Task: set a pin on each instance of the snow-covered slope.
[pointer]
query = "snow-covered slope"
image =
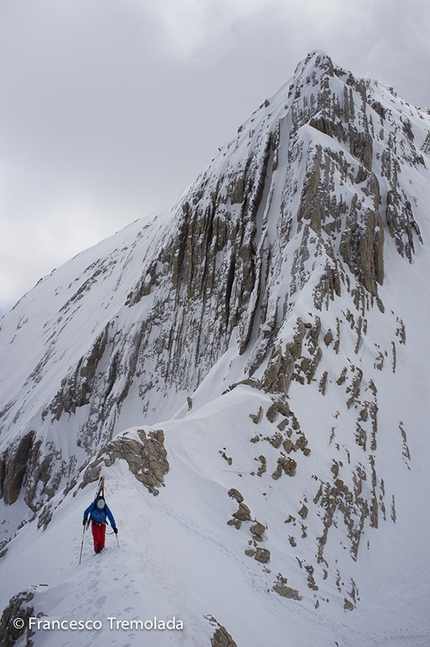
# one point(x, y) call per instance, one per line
point(249, 371)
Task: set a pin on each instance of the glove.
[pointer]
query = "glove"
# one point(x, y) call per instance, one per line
point(115, 530)
point(84, 522)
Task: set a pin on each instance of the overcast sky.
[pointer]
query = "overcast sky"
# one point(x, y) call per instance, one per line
point(109, 109)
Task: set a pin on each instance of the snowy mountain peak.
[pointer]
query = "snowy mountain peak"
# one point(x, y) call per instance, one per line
point(245, 358)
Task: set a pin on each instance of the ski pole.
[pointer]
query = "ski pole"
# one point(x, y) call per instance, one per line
point(82, 544)
point(117, 540)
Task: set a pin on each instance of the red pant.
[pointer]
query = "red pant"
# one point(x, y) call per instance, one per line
point(99, 532)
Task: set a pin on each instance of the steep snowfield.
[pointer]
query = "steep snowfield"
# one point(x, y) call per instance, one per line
point(250, 373)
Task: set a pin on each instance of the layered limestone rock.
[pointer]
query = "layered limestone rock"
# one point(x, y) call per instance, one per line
point(20, 606)
point(146, 458)
point(217, 259)
point(280, 587)
point(221, 637)
point(343, 499)
point(13, 467)
point(35, 468)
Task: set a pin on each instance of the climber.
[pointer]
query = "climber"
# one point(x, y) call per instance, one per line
point(98, 511)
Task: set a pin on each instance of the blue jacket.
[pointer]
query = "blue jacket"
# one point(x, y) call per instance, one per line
point(99, 516)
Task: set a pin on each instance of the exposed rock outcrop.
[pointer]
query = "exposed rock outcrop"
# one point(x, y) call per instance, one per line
point(14, 465)
point(280, 587)
point(20, 607)
point(221, 637)
point(146, 458)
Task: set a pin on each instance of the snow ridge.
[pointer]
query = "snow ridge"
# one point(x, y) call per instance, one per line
point(245, 359)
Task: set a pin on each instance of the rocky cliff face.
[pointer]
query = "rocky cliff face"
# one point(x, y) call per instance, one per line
point(276, 258)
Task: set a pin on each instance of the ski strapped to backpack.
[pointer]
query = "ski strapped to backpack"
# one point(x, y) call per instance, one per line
point(100, 492)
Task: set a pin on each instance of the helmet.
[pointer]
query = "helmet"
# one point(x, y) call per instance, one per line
point(100, 504)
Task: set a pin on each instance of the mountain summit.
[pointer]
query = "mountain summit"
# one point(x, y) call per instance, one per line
point(254, 357)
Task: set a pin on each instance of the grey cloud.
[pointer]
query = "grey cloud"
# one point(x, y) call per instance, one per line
point(107, 113)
